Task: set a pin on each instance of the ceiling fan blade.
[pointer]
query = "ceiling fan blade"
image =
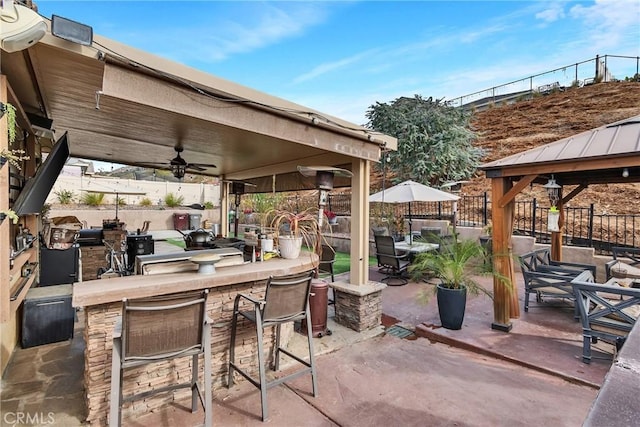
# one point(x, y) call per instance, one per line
point(237, 181)
point(153, 165)
point(195, 167)
point(203, 165)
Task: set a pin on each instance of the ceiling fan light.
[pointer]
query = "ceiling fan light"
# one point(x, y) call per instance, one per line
point(178, 170)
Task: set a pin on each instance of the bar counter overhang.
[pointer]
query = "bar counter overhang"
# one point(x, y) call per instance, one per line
point(101, 301)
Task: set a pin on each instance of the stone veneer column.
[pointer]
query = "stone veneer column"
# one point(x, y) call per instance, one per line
point(358, 307)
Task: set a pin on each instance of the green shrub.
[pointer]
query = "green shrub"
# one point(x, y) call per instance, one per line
point(65, 197)
point(120, 201)
point(92, 199)
point(208, 205)
point(173, 201)
point(145, 201)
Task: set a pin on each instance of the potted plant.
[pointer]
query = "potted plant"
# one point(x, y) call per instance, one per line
point(9, 213)
point(332, 218)
point(455, 264)
point(292, 229)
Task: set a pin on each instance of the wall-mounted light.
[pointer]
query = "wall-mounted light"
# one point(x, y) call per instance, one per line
point(21, 27)
point(71, 30)
point(553, 191)
point(625, 173)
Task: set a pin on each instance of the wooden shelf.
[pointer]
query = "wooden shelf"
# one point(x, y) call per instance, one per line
point(23, 288)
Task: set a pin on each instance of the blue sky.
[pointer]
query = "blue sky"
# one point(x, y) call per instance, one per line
point(340, 57)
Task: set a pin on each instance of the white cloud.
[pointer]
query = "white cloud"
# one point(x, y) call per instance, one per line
point(551, 14)
point(333, 66)
point(247, 27)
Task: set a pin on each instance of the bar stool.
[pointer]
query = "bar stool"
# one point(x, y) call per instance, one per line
point(162, 328)
point(286, 300)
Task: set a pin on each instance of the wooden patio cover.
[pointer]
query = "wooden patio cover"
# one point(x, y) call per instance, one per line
point(598, 156)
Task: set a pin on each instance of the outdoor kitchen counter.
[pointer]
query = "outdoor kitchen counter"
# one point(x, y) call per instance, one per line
point(104, 291)
point(101, 301)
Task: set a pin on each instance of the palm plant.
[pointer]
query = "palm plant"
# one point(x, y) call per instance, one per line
point(456, 264)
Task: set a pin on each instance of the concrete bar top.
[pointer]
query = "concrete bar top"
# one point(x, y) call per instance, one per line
point(103, 291)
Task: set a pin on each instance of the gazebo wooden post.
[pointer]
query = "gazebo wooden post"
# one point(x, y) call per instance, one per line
point(556, 236)
point(502, 264)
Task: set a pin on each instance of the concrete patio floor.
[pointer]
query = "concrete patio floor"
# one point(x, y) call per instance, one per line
point(476, 376)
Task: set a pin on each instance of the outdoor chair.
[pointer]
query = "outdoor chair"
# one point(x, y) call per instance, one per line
point(430, 234)
point(625, 263)
point(540, 260)
point(286, 300)
point(607, 312)
point(393, 263)
point(327, 259)
point(549, 279)
point(158, 329)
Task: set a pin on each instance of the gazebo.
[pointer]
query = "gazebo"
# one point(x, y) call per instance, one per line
point(609, 154)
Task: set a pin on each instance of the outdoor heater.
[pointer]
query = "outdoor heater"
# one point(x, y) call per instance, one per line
point(238, 189)
point(324, 183)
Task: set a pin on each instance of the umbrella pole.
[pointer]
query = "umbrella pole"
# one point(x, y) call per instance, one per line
point(117, 200)
point(410, 226)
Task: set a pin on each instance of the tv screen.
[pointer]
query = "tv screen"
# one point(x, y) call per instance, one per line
point(36, 190)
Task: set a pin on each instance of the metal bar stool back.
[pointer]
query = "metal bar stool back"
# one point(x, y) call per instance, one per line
point(286, 300)
point(162, 328)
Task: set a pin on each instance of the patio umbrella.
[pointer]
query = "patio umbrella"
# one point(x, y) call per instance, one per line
point(411, 191)
point(94, 187)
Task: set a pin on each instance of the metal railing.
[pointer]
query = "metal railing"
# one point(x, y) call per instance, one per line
point(582, 225)
point(598, 69)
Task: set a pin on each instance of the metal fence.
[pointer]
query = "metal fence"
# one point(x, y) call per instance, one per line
point(582, 226)
point(599, 69)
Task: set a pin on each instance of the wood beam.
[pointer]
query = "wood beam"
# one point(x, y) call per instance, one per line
point(556, 236)
point(574, 193)
point(516, 189)
point(502, 224)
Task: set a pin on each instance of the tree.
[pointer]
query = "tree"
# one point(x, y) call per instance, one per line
point(435, 142)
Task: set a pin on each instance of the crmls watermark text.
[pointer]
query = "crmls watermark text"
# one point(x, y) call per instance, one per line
point(30, 418)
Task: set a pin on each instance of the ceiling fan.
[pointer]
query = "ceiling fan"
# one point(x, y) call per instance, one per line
point(178, 165)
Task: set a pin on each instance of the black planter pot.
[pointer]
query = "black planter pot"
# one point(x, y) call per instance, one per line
point(451, 305)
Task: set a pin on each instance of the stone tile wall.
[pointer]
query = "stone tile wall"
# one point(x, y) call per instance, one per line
point(99, 324)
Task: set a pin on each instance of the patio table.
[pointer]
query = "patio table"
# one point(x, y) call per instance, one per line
point(416, 247)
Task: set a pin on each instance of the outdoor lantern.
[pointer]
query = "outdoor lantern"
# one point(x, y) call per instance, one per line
point(553, 190)
point(178, 167)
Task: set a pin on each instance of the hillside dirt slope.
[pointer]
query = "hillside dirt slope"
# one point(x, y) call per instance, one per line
point(510, 129)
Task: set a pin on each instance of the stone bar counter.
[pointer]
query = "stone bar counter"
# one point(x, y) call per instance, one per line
point(101, 301)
